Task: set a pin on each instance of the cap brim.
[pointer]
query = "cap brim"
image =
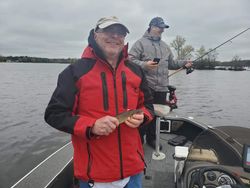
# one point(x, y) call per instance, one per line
point(163, 26)
point(109, 23)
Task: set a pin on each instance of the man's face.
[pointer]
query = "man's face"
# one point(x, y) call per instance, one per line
point(156, 31)
point(111, 40)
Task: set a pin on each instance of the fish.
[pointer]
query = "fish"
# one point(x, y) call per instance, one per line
point(122, 117)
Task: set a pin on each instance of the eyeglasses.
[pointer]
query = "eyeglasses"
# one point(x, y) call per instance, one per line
point(112, 30)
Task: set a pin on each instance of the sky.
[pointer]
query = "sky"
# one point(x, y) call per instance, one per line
point(60, 28)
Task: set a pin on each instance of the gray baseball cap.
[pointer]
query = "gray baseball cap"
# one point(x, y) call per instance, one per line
point(108, 21)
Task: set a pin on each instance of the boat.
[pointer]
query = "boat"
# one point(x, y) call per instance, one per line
point(194, 155)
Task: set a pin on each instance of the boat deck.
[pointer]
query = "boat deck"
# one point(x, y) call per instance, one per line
point(159, 173)
point(57, 170)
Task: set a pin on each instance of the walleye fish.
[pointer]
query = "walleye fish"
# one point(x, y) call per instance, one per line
point(122, 117)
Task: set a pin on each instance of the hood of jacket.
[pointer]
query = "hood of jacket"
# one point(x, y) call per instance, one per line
point(150, 37)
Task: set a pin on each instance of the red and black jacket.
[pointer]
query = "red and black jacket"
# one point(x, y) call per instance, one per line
point(88, 90)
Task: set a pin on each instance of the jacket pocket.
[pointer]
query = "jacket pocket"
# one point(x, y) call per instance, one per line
point(142, 158)
point(124, 90)
point(90, 160)
point(104, 91)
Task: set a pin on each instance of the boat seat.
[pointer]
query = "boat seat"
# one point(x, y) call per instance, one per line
point(161, 110)
point(203, 155)
point(180, 154)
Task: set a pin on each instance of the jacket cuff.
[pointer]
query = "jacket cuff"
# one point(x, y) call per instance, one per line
point(89, 133)
point(82, 125)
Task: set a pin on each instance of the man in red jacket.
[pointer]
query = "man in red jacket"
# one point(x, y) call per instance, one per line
point(89, 96)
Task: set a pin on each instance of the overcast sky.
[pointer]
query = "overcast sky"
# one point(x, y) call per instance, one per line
point(59, 28)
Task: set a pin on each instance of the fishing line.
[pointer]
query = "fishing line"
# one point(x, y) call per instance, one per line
point(191, 69)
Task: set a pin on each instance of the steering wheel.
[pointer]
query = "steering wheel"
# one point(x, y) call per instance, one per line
point(220, 169)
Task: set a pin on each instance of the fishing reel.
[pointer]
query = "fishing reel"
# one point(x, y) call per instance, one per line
point(172, 99)
point(189, 70)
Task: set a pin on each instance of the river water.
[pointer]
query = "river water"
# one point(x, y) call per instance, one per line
point(213, 97)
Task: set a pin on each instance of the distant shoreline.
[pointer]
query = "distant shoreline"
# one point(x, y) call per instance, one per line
point(221, 67)
point(11, 62)
point(26, 59)
point(235, 65)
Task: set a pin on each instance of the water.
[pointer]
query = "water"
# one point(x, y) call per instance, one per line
point(214, 97)
point(25, 139)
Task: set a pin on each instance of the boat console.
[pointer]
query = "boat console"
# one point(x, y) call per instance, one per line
point(216, 158)
point(246, 157)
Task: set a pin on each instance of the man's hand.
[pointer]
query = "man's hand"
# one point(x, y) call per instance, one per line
point(188, 64)
point(105, 125)
point(135, 120)
point(151, 64)
point(189, 67)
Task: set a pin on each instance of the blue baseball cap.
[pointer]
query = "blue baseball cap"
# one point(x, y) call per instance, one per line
point(158, 22)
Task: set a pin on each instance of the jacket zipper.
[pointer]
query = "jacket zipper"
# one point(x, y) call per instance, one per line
point(105, 91)
point(124, 90)
point(103, 75)
point(119, 128)
point(156, 55)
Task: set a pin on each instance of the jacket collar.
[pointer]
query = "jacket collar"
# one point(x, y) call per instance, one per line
point(150, 37)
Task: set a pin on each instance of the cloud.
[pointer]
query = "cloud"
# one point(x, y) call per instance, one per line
point(59, 28)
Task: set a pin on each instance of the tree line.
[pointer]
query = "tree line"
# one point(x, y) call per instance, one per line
point(27, 59)
point(209, 61)
point(182, 51)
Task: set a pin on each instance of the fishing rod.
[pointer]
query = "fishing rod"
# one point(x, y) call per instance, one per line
point(191, 69)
